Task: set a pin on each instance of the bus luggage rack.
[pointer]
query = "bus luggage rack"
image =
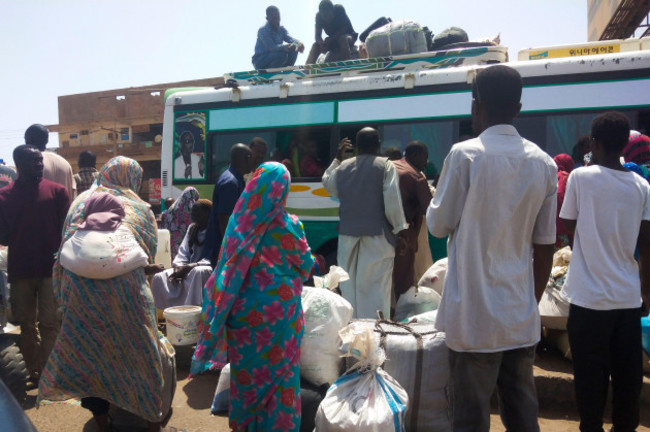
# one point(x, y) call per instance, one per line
point(459, 56)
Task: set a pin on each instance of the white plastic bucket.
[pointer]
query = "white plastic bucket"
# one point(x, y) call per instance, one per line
point(183, 324)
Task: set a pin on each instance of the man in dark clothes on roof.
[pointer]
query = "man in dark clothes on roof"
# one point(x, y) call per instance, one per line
point(341, 36)
point(32, 212)
point(416, 197)
point(271, 51)
point(226, 192)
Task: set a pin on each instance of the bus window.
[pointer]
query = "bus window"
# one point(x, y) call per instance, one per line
point(221, 143)
point(563, 131)
point(533, 128)
point(306, 153)
point(438, 137)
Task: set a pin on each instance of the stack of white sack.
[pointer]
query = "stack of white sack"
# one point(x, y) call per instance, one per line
point(396, 38)
point(366, 398)
point(418, 358)
point(553, 307)
point(434, 277)
point(326, 313)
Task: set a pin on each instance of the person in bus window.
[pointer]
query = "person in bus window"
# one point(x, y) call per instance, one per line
point(334, 21)
point(416, 196)
point(259, 148)
point(496, 201)
point(226, 192)
point(371, 216)
point(392, 153)
point(271, 51)
point(310, 163)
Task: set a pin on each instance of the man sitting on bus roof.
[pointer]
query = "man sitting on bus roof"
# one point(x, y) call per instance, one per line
point(270, 49)
point(371, 214)
point(340, 38)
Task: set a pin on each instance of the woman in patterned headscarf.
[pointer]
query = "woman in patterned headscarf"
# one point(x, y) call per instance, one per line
point(637, 149)
point(252, 308)
point(109, 349)
point(178, 217)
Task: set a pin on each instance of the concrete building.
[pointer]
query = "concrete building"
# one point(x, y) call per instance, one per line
point(617, 19)
point(125, 122)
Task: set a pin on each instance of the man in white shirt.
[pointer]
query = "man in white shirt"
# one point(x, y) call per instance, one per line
point(55, 167)
point(608, 209)
point(496, 200)
point(371, 216)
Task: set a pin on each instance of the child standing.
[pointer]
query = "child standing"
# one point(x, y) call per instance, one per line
point(608, 209)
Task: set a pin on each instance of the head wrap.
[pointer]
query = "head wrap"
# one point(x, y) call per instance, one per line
point(638, 149)
point(104, 212)
point(259, 225)
point(177, 218)
point(120, 177)
point(639, 169)
point(564, 162)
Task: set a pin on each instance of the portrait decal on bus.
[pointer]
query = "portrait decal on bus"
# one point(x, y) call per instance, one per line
point(189, 146)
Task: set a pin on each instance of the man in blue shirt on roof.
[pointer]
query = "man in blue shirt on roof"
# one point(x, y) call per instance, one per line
point(271, 51)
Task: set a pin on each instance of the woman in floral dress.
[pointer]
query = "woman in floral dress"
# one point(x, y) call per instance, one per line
point(252, 308)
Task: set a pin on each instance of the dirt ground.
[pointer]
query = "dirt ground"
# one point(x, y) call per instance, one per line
point(192, 413)
point(191, 406)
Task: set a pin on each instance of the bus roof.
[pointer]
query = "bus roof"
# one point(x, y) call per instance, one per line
point(344, 83)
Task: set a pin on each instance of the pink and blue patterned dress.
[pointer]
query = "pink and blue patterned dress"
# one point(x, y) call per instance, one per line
point(252, 309)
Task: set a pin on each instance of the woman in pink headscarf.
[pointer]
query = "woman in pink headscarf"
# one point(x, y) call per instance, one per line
point(564, 164)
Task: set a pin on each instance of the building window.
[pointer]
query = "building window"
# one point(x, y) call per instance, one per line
point(74, 136)
point(124, 134)
point(84, 132)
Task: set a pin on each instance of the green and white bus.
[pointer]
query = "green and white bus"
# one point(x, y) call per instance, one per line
point(303, 113)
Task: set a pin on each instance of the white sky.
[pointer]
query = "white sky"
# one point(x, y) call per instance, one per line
point(63, 47)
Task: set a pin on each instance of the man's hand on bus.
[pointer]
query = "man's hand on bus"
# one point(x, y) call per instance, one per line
point(345, 146)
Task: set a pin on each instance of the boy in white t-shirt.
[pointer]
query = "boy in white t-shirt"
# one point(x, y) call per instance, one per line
point(608, 209)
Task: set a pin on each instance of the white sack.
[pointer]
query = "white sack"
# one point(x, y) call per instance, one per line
point(363, 402)
point(401, 348)
point(426, 317)
point(222, 393)
point(416, 301)
point(434, 277)
point(553, 309)
point(325, 314)
point(102, 254)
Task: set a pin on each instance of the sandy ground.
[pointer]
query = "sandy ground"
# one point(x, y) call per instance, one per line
point(191, 407)
point(192, 413)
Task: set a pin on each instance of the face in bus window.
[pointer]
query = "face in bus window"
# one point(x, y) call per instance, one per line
point(259, 154)
point(187, 144)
